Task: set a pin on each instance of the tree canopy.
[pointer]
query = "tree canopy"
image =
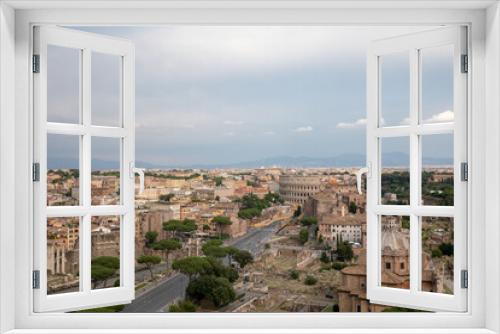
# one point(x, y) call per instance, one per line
point(149, 261)
point(243, 258)
point(183, 306)
point(309, 221)
point(218, 290)
point(150, 237)
point(102, 268)
point(304, 236)
point(344, 251)
point(186, 225)
point(192, 266)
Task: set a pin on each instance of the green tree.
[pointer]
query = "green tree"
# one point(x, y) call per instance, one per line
point(100, 274)
point(309, 221)
point(218, 290)
point(344, 251)
point(187, 225)
point(166, 197)
point(310, 280)
point(167, 245)
point(217, 198)
point(183, 306)
point(215, 251)
point(437, 253)
point(243, 258)
point(294, 274)
point(297, 212)
point(446, 248)
point(339, 265)
point(320, 239)
point(221, 221)
point(219, 270)
point(353, 208)
point(192, 266)
point(102, 268)
point(304, 236)
point(230, 251)
point(150, 237)
point(324, 258)
point(206, 227)
point(150, 261)
point(267, 245)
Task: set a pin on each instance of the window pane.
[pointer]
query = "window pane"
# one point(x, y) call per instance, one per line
point(63, 170)
point(63, 85)
point(105, 171)
point(395, 171)
point(106, 88)
point(437, 84)
point(437, 170)
point(395, 252)
point(105, 251)
point(437, 254)
point(395, 89)
point(63, 255)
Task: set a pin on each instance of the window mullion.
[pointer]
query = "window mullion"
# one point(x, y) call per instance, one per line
point(414, 167)
point(85, 184)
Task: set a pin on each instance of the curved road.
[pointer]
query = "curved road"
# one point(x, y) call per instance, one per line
point(153, 300)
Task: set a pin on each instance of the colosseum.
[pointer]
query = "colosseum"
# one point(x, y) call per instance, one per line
point(297, 189)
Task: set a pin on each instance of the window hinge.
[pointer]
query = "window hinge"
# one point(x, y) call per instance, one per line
point(36, 279)
point(36, 63)
point(36, 172)
point(465, 64)
point(464, 173)
point(465, 279)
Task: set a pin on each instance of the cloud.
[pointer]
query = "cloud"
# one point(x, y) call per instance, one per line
point(304, 129)
point(230, 134)
point(359, 123)
point(269, 133)
point(233, 122)
point(443, 117)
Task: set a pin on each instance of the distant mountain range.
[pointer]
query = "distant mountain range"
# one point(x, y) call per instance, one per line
point(393, 159)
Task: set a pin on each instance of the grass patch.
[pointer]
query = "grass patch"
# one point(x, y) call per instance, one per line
point(140, 286)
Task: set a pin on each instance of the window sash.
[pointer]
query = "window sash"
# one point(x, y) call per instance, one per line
point(414, 298)
point(86, 297)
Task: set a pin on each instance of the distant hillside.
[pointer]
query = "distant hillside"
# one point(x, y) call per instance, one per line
point(393, 159)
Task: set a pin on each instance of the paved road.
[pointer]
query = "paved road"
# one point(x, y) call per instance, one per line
point(153, 300)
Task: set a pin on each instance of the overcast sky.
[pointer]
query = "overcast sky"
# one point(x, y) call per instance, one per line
point(232, 94)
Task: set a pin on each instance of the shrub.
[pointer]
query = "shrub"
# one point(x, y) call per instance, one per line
point(310, 280)
point(294, 274)
point(339, 265)
point(437, 253)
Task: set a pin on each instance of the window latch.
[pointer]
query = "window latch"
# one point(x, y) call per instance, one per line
point(139, 171)
point(368, 171)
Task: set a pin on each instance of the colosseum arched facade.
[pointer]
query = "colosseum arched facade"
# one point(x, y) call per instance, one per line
point(297, 189)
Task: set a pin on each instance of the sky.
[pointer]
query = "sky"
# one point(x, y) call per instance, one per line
point(215, 94)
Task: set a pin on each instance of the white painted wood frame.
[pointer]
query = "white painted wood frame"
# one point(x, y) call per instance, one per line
point(413, 43)
point(86, 43)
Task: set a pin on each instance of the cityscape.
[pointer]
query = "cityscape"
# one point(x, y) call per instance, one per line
point(269, 239)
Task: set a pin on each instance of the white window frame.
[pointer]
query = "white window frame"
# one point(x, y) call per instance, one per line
point(376, 132)
point(483, 21)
